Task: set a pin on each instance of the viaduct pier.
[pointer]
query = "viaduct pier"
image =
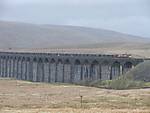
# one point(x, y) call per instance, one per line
point(64, 67)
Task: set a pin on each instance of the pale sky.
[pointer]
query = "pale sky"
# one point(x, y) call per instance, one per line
point(127, 16)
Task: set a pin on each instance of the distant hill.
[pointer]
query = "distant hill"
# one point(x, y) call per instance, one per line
point(23, 35)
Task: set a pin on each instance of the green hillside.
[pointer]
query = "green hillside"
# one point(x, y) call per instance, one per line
point(140, 72)
point(138, 77)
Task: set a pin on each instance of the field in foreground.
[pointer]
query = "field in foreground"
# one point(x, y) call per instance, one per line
point(27, 97)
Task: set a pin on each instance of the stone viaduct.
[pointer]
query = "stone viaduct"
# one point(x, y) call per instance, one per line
point(62, 67)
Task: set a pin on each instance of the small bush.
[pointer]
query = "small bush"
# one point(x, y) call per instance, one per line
point(125, 84)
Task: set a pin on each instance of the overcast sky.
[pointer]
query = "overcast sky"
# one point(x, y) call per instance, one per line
point(127, 16)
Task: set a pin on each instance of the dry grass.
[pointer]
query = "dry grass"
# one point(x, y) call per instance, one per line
point(27, 97)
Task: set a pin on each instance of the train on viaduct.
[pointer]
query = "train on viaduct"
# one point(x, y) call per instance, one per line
point(64, 67)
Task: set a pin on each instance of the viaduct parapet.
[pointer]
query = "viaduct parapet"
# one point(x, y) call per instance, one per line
point(61, 67)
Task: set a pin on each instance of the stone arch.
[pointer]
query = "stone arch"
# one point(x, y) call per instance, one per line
point(28, 59)
point(4, 56)
point(23, 68)
point(46, 70)
point(35, 59)
point(59, 71)
point(115, 70)
point(95, 62)
point(19, 69)
point(127, 66)
point(77, 71)
point(85, 61)
point(85, 76)
point(46, 60)
point(40, 60)
point(7, 66)
point(40, 70)
point(105, 70)
point(67, 71)
point(52, 60)
point(7, 57)
point(116, 63)
point(95, 70)
point(53, 70)
point(105, 62)
point(19, 58)
point(23, 58)
point(67, 61)
point(59, 61)
point(15, 66)
point(15, 58)
point(34, 69)
point(29, 69)
point(11, 65)
point(3, 66)
point(77, 62)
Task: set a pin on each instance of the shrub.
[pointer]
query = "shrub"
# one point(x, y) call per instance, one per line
point(125, 83)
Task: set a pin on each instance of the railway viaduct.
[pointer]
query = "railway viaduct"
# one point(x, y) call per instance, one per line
point(62, 67)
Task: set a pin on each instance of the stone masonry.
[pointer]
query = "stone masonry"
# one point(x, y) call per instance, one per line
point(65, 68)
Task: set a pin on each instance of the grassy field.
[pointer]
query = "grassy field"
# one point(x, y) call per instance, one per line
point(27, 97)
